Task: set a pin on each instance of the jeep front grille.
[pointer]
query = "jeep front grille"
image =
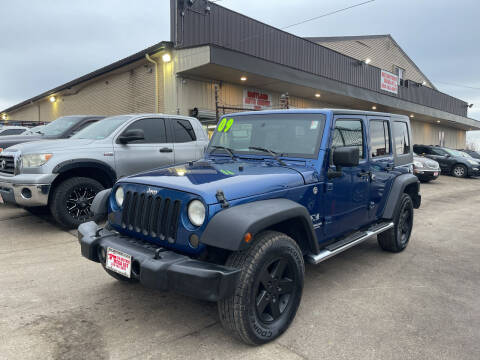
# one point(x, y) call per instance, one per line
point(151, 215)
point(7, 164)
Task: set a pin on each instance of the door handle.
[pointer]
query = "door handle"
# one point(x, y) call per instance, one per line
point(364, 174)
point(166, 150)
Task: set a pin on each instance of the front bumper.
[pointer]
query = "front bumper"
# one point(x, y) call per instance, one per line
point(424, 174)
point(159, 268)
point(474, 171)
point(26, 189)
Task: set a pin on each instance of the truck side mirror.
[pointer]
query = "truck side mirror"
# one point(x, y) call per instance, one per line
point(131, 135)
point(347, 156)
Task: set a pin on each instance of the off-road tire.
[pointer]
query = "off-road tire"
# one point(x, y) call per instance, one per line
point(239, 313)
point(58, 200)
point(460, 171)
point(396, 239)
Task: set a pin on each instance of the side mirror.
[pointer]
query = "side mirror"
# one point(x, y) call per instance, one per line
point(131, 135)
point(347, 156)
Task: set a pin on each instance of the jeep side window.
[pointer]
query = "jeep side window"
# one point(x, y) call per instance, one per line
point(379, 138)
point(349, 133)
point(183, 131)
point(402, 138)
point(153, 130)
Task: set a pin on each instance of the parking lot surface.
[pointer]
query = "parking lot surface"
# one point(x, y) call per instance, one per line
point(363, 304)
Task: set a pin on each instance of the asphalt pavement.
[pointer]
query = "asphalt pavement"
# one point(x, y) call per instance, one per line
point(423, 303)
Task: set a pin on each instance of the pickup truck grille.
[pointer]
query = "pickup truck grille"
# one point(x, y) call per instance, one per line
point(151, 215)
point(7, 164)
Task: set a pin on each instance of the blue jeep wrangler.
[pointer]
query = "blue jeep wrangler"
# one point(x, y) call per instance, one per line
point(274, 189)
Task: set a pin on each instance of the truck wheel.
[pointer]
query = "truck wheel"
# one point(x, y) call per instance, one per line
point(459, 171)
point(268, 291)
point(396, 239)
point(71, 200)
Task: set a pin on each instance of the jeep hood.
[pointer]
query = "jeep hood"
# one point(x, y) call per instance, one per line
point(237, 179)
point(52, 145)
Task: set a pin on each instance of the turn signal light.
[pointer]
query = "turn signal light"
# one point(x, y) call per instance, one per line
point(247, 238)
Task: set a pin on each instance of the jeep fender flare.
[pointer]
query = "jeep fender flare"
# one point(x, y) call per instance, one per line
point(79, 163)
point(398, 188)
point(226, 230)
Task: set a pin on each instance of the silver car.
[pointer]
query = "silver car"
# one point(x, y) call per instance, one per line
point(67, 174)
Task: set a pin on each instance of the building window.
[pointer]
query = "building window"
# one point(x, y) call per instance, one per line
point(400, 72)
point(379, 138)
point(402, 137)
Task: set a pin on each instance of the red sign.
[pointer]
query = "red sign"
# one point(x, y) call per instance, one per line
point(389, 82)
point(257, 99)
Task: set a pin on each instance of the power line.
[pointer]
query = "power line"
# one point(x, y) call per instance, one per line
point(458, 85)
point(327, 14)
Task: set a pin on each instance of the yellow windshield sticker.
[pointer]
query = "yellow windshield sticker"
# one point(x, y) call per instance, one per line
point(222, 124)
point(225, 125)
point(229, 125)
point(227, 172)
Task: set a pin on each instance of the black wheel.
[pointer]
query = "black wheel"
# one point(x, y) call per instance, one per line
point(268, 291)
point(396, 239)
point(459, 171)
point(71, 200)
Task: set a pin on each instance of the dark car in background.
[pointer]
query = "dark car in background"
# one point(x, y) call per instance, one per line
point(425, 169)
point(451, 161)
point(61, 128)
point(472, 153)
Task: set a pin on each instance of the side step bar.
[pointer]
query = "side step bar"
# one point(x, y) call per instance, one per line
point(347, 243)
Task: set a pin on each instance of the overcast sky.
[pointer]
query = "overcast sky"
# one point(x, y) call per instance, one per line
point(46, 43)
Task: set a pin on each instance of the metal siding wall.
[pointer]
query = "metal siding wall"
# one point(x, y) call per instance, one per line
point(225, 28)
point(130, 91)
point(428, 134)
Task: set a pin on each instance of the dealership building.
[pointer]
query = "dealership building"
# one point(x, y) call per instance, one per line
point(218, 61)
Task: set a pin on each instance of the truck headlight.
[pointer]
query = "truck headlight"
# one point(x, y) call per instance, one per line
point(119, 196)
point(418, 164)
point(196, 212)
point(35, 160)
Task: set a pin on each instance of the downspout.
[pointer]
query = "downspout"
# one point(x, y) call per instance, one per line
point(156, 81)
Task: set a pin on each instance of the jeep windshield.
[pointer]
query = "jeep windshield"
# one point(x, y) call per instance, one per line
point(60, 125)
point(288, 135)
point(103, 128)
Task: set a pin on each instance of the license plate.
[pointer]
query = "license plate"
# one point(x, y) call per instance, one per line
point(119, 262)
point(435, 174)
point(1, 199)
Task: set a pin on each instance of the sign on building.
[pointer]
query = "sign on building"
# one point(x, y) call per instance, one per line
point(257, 99)
point(389, 82)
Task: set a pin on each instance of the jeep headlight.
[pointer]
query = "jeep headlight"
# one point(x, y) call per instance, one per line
point(196, 212)
point(35, 160)
point(473, 162)
point(418, 164)
point(119, 196)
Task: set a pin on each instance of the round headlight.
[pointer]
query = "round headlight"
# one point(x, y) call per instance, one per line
point(119, 196)
point(196, 212)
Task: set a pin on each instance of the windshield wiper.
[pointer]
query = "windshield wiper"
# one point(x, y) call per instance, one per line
point(228, 150)
point(275, 155)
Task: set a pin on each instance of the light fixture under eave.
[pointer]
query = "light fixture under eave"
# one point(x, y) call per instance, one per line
point(166, 57)
point(52, 99)
point(317, 95)
point(243, 78)
point(368, 61)
point(424, 83)
point(374, 107)
point(412, 116)
point(438, 121)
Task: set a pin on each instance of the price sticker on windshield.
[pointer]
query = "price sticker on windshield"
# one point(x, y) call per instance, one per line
point(225, 125)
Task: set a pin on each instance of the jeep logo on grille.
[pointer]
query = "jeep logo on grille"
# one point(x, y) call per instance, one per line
point(151, 191)
point(3, 164)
